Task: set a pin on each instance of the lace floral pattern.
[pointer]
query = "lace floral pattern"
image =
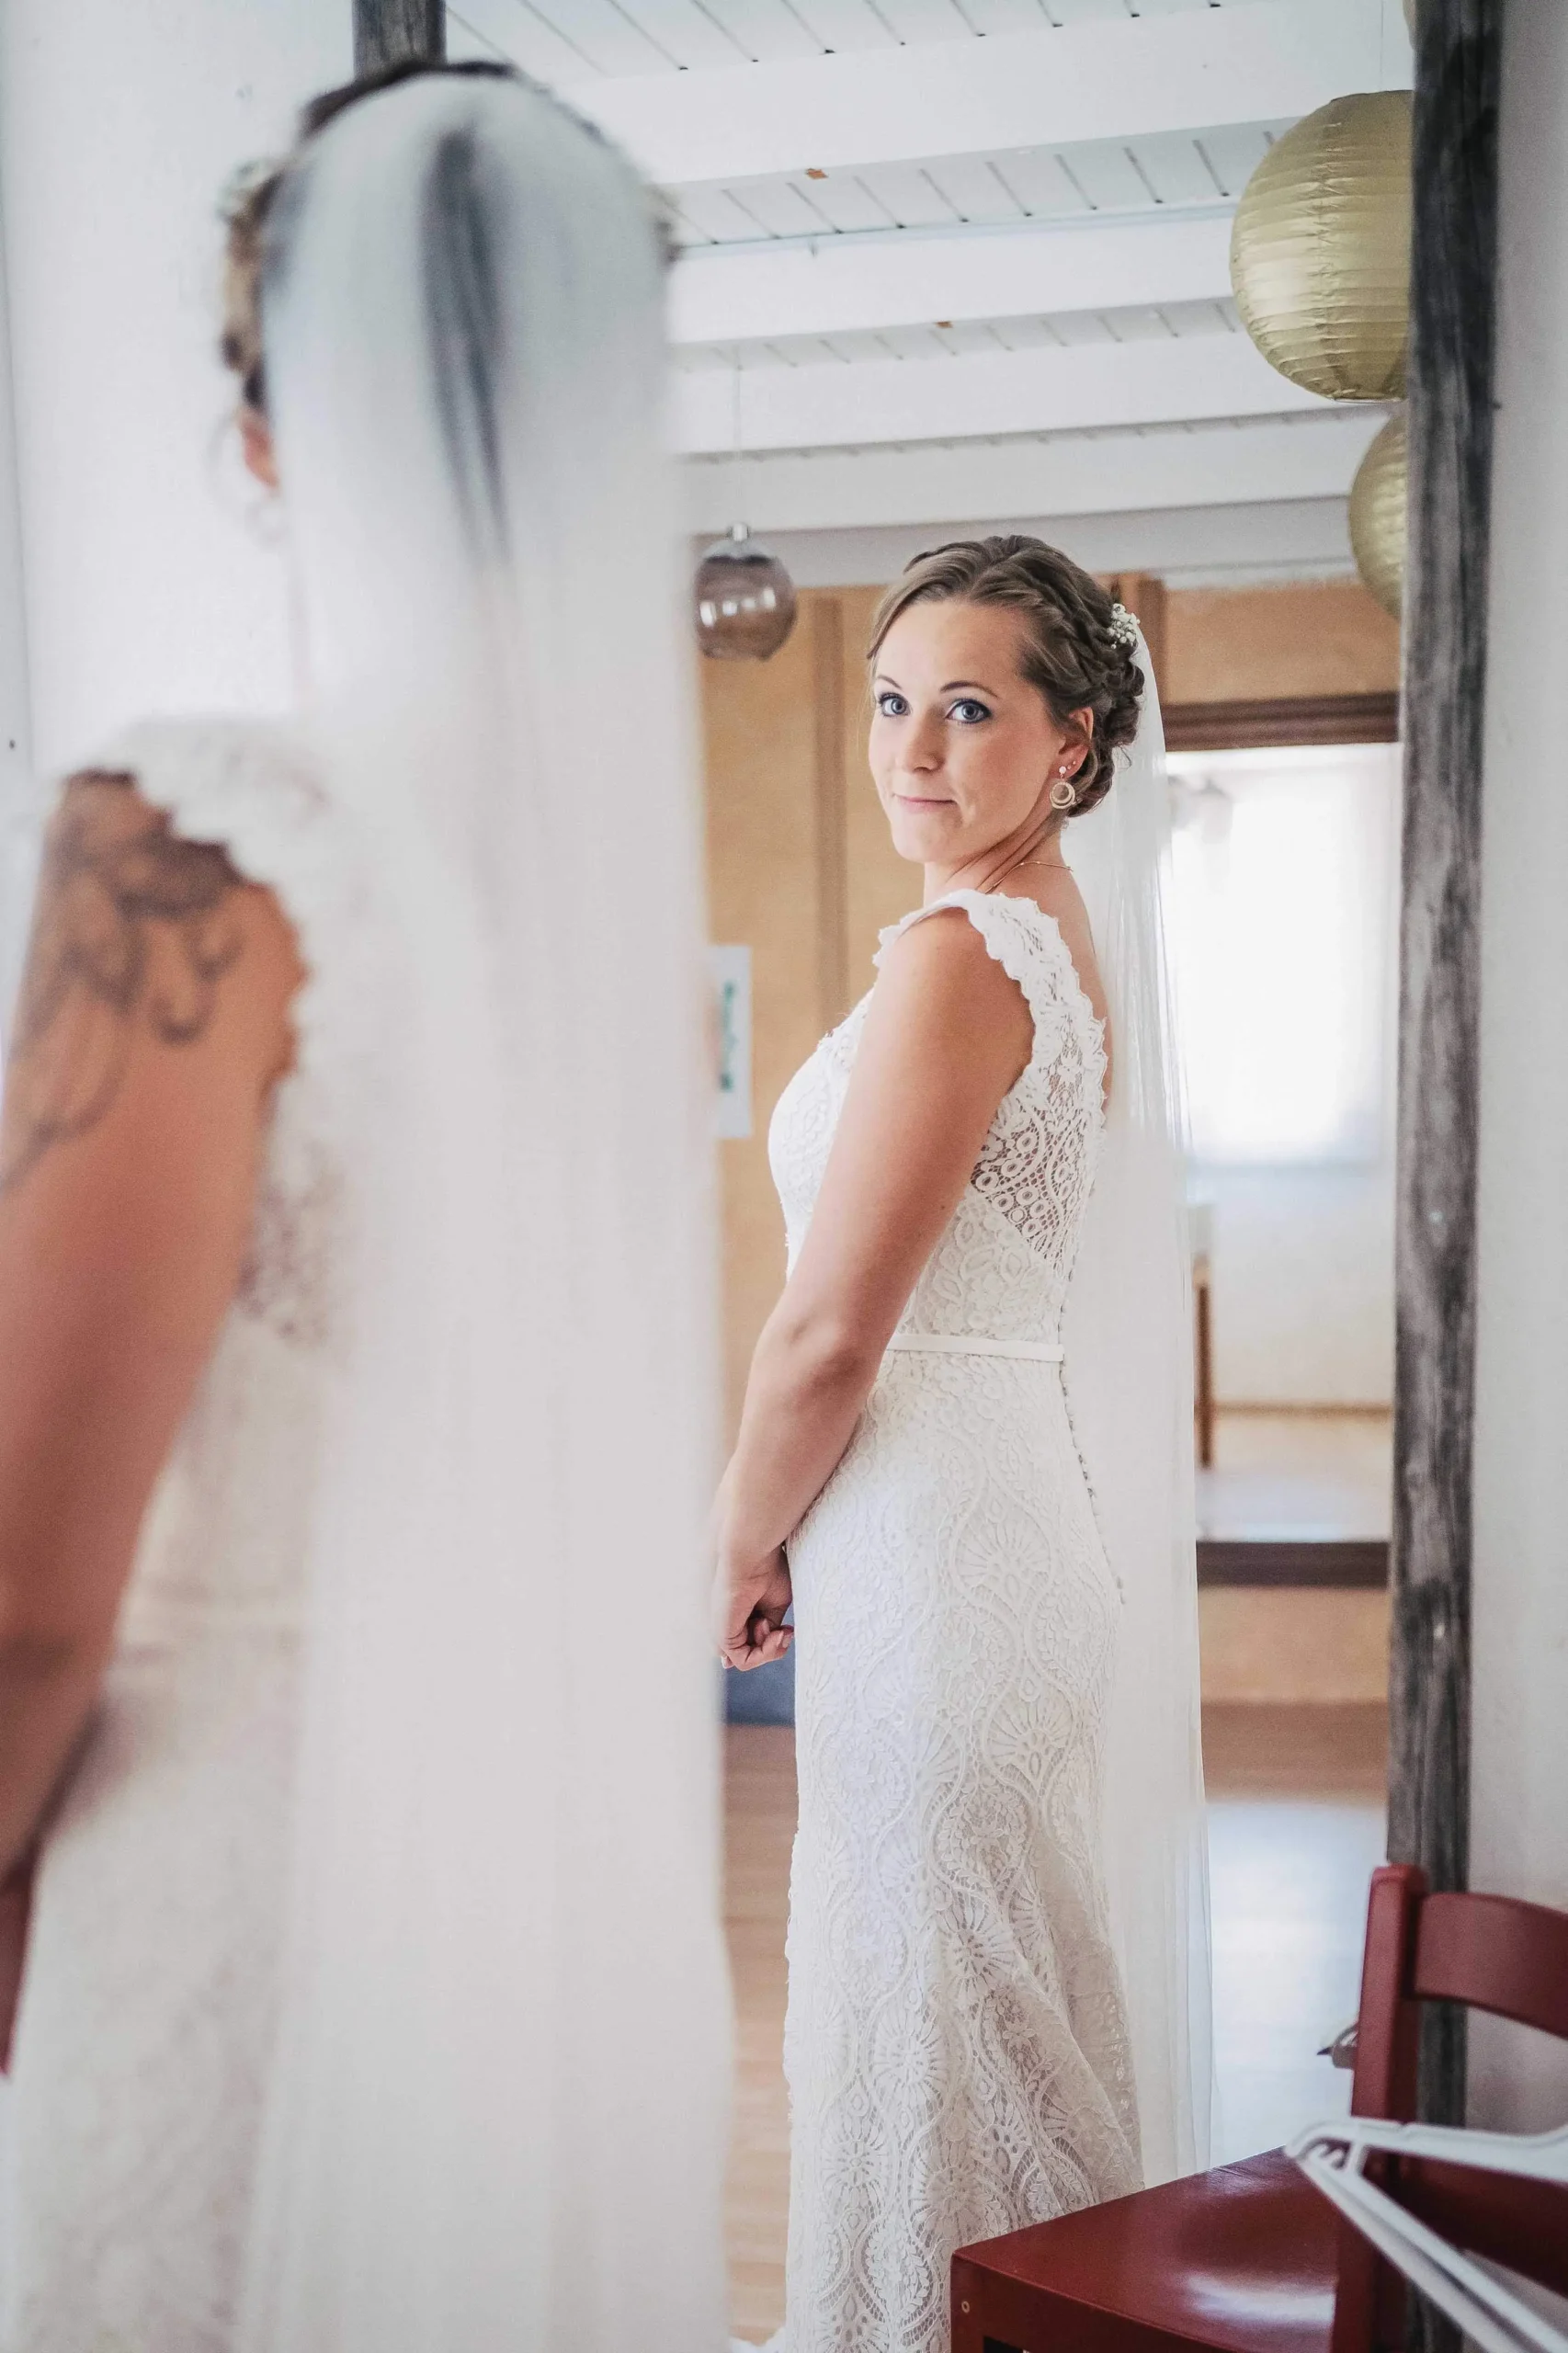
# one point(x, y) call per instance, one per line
point(956, 2043)
point(149, 1999)
point(287, 1279)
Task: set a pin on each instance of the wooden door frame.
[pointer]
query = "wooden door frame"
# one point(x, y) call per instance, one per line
point(1282, 720)
point(1458, 73)
point(386, 32)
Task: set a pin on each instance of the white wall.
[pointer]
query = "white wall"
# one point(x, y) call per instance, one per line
point(118, 126)
point(1520, 1784)
point(1302, 1284)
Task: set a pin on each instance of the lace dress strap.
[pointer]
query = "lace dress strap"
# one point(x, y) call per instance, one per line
point(1029, 946)
point(252, 787)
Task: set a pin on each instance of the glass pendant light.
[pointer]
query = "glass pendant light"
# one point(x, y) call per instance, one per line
point(743, 599)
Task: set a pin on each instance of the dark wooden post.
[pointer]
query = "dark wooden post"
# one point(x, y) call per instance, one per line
point(388, 31)
point(1458, 62)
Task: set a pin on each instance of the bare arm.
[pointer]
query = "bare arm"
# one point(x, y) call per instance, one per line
point(153, 1022)
point(946, 1034)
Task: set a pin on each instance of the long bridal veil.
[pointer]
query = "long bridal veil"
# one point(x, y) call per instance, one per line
point(1129, 1351)
point(495, 2118)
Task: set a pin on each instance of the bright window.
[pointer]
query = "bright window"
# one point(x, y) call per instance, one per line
point(1283, 925)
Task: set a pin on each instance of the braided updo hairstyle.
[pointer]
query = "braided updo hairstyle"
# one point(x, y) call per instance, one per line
point(1070, 650)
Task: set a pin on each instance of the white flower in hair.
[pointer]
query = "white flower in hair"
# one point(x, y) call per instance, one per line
point(1124, 626)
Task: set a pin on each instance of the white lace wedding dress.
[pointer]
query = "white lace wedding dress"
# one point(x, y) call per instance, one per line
point(149, 1997)
point(955, 2044)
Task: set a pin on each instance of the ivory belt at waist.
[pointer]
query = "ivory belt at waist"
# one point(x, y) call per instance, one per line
point(962, 1343)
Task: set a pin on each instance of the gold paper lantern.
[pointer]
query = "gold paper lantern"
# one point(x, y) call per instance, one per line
point(1320, 249)
point(1379, 501)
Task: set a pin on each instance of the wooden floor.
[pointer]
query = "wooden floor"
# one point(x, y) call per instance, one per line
point(759, 1820)
point(1296, 1824)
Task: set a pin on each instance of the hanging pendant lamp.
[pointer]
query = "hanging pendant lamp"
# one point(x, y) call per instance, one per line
point(1320, 249)
point(1378, 499)
point(743, 599)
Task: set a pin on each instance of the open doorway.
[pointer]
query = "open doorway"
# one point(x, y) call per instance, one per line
point(1284, 926)
point(1284, 920)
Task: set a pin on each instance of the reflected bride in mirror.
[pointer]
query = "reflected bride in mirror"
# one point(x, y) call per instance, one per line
point(962, 2045)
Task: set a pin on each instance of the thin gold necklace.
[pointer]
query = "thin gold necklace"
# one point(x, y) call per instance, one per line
point(1056, 864)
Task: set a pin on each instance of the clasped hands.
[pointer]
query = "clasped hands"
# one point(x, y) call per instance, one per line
point(748, 1611)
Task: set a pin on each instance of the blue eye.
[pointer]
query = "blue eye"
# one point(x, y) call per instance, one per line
point(968, 711)
point(890, 705)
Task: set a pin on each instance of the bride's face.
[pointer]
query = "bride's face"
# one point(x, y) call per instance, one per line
point(963, 748)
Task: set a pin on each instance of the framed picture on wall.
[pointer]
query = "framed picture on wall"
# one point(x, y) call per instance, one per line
point(730, 967)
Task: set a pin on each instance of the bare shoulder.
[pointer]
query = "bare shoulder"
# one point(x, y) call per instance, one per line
point(943, 987)
point(141, 941)
point(945, 953)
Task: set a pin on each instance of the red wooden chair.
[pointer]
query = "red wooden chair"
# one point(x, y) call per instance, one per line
point(1249, 2258)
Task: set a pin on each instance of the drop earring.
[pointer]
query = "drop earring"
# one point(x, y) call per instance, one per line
point(1063, 792)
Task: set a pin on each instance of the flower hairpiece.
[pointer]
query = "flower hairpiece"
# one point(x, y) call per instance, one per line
point(1124, 626)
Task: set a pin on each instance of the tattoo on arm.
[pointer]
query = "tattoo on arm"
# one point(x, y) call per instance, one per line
point(133, 931)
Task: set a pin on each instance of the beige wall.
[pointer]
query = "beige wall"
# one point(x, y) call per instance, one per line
point(800, 865)
point(1293, 1644)
point(800, 869)
point(759, 741)
point(880, 887)
point(1322, 637)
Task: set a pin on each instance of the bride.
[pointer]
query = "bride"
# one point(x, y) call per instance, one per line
point(965, 1457)
point(353, 1346)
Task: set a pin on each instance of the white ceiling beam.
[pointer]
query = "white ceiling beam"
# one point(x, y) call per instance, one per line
point(853, 404)
point(721, 294)
point(1271, 61)
point(1230, 465)
point(1189, 546)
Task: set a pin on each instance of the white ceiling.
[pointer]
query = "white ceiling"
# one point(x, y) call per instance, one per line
point(1080, 181)
point(956, 260)
point(963, 337)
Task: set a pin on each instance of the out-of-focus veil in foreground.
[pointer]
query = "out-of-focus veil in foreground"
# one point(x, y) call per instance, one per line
point(1128, 1364)
point(495, 2118)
